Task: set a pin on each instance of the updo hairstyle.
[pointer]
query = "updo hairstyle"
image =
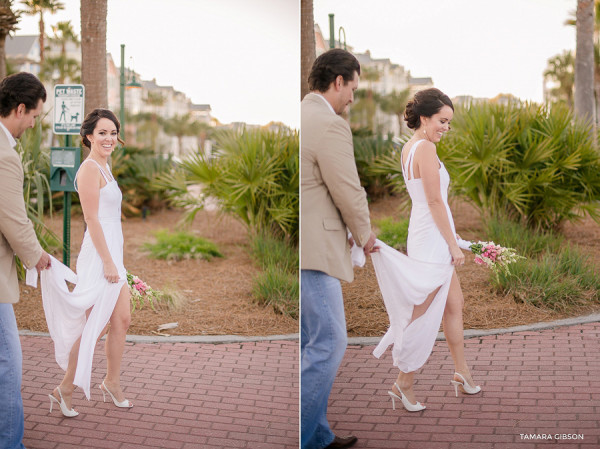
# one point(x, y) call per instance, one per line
point(426, 103)
point(91, 120)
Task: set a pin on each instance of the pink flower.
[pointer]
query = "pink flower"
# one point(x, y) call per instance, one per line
point(479, 260)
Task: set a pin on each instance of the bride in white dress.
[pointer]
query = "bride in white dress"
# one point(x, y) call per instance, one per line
point(422, 290)
point(77, 319)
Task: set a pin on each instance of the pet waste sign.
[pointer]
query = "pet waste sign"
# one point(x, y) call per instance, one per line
point(68, 108)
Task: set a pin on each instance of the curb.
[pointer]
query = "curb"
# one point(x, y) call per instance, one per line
point(207, 339)
point(475, 333)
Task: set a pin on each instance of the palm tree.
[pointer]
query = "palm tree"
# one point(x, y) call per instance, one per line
point(584, 60)
point(365, 108)
point(202, 131)
point(180, 126)
point(395, 103)
point(156, 100)
point(35, 7)
point(67, 68)
point(561, 69)
point(307, 43)
point(8, 24)
point(93, 53)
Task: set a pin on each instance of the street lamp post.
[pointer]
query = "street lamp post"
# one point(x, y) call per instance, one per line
point(122, 92)
point(133, 84)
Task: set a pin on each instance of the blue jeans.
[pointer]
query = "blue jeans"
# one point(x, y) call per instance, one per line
point(323, 341)
point(11, 369)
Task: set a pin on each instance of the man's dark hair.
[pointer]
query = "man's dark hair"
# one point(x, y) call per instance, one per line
point(329, 66)
point(20, 88)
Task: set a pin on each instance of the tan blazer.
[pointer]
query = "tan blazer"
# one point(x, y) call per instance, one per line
point(16, 230)
point(331, 195)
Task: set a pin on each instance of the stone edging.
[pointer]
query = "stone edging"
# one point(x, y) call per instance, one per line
point(208, 339)
point(474, 333)
point(360, 341)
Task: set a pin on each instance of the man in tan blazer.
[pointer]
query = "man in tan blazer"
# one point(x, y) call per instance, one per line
point(22, 96)
point(332, 202)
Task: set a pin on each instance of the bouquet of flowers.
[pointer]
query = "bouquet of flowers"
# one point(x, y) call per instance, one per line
point(140, 291)
point(495, 257)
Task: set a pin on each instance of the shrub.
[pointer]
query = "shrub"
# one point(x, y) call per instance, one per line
point(136, 170)
point(526, 242)
point(369, 151)
point(531, 164)
point(253, 175)
point(269, 251)
point(556, 281)
point(278, 288)
point(394, 233)
point(181, 245)
point(277, 285)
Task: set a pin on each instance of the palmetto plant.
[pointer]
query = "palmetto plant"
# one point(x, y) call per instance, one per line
point(253, 175)
point(137, 169)
point(532, 164)
point(371, 153)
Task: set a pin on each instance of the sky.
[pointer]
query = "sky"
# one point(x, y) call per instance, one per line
point(240, 56)
point(468, 47)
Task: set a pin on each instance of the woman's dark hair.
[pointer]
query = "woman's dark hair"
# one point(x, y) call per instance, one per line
point(91, 120)
point(20, 88)
point(329, 66)
point(425, 104)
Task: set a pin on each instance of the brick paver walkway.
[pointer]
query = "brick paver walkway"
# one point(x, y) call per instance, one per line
point(185, 395)
point(544, 382)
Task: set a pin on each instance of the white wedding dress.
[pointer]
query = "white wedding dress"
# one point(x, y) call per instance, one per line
point(406, 281)
point(66, 310)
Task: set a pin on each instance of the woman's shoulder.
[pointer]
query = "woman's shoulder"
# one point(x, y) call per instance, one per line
point(88, 172)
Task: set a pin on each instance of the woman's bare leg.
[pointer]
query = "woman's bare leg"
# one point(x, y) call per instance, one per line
point(453, 329)
point(115, 342)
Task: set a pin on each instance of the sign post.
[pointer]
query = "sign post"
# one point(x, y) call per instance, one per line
point(64, 161)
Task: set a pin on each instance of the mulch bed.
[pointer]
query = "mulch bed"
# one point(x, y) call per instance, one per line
point(217, 294)
point(484, 309)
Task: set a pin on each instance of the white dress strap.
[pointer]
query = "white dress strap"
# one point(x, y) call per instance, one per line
point(409, 160)
point(102, 172)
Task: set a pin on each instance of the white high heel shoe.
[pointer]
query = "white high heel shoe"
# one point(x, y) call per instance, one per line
point(468, 389)
point(405, 402)
point(62, 404)
point(123, 404)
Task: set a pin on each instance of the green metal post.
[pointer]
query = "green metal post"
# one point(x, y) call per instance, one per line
point(331, 32)
point(67, 219)
point(122, 92)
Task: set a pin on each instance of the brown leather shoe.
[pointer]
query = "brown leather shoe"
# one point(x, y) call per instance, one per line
point(342, 442)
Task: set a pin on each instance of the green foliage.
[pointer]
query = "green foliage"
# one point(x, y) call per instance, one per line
point(557, 281)
point(254, 175)
point(279, 289)
point(277, 285)
point(392, 232)
point(553, 276)
point(181, 245)
point(269, 251)
point(36, 187)
point(527, 243)
point(530, 164)
point(137, 169)
point(372, 155)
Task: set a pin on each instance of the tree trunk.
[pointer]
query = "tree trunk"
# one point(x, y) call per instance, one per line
point(93, 55)
point(307, 44)
point(41, 38)
point(584, 61)
point(2, 56)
